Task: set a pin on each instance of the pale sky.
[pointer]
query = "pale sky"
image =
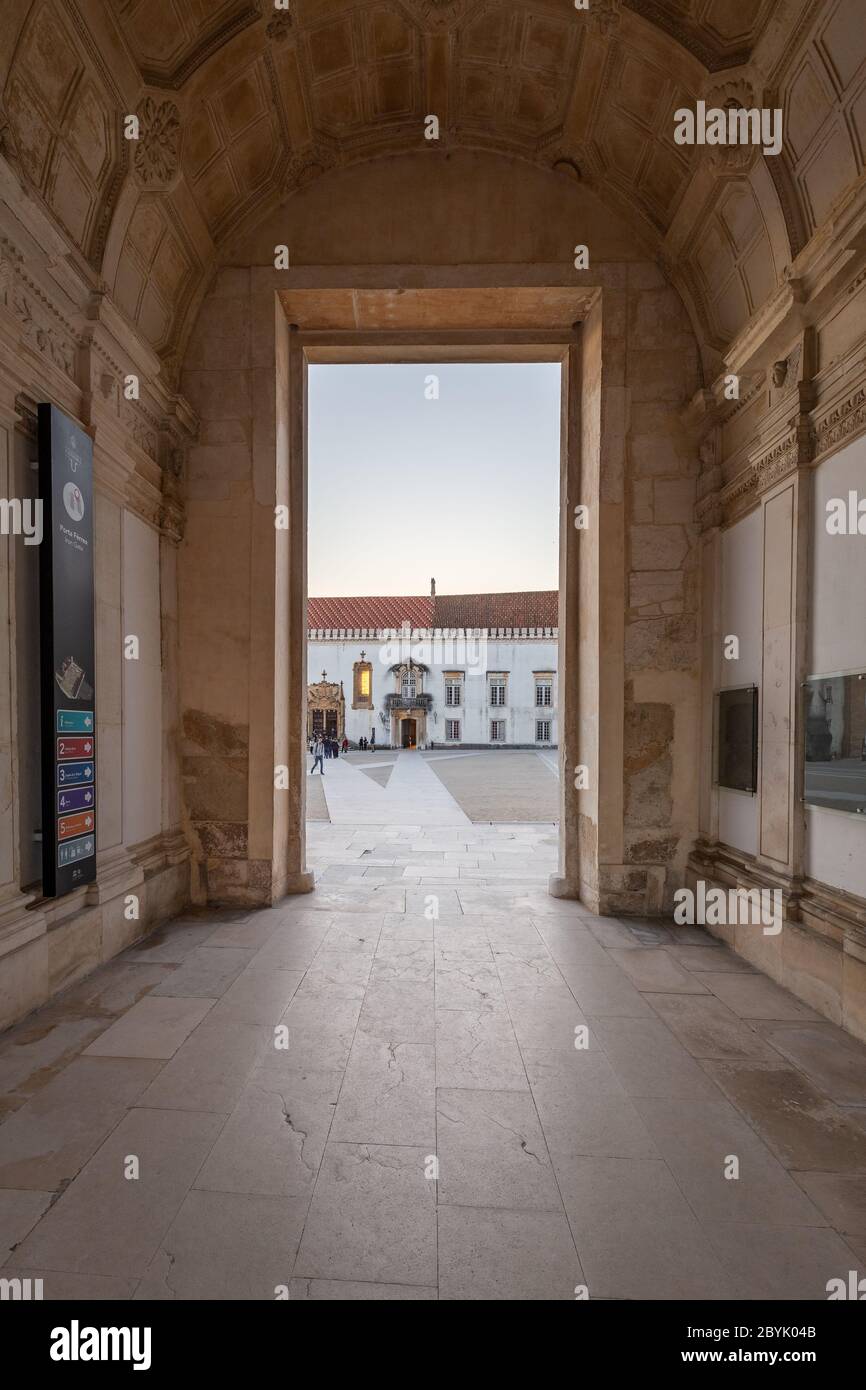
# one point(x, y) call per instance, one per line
point(403, 489)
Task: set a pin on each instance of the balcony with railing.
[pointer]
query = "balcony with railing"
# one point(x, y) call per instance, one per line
point(422, 700)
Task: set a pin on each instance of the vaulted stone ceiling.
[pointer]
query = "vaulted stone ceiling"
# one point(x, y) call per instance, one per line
point(241, 103)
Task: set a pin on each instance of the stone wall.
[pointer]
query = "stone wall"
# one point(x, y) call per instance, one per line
point(413, 220)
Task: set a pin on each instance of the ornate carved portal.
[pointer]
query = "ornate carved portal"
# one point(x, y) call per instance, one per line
point(326, 708)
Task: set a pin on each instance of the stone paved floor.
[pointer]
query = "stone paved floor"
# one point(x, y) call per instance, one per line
point(414, 1038)
point(490, 786)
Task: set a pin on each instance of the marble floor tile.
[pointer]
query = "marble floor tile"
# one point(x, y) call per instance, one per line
point(107, 1223)
point(226, 1246)
point(345, 1291)
point(698, 1142)
point(151, 1028)
point(708, 1028)
point(833, 1060)
point(487, 1254)
point(635, 1233)
point(45, 1143)
point(19, 1213)
point(756, 996)
point(477, 1049)
point(801, 1126)
point(388, 1092)
point(372, 1217)
point(790, 1264)
point(206, 973)
point(492, 1152)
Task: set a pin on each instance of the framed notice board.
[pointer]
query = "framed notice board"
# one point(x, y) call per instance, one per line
point(67, 654)
point(738, 739)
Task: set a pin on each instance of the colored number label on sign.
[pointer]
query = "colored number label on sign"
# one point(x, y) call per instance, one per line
point(75, 747)
point(70, 826)
point(74, 774)
point(74, 721)
point(76, 799)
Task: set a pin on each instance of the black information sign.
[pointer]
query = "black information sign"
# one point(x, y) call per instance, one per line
point(67, 652)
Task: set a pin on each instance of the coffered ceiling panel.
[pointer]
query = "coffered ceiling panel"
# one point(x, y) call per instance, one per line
point(722, 33)
point(65, 125)
point(516, 68)
point(169, 39)
point(241, 104)
point(363, 71)
point(233, 143)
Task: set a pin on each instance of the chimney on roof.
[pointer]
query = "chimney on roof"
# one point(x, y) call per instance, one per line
point(432, 588)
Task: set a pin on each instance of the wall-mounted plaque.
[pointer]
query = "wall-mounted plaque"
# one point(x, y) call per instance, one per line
point(738, 739)
point(67, 654)
point(835, 733)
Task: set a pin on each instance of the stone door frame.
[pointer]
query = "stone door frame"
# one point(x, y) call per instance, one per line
point(472, 322)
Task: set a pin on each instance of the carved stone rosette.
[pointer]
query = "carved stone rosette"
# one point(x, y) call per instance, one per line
point(156, 153)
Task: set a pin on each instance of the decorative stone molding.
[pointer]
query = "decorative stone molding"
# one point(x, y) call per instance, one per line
point(438, 14)
point(793, 451)
point(604, 16)
point(140, 430)
point(735, 94)
point(280, 27)
point(709, 512)
point(306, 166)
point(156, 154)
point(41, 327)
point(842, 423)
point(739, 495)
point(8, 147)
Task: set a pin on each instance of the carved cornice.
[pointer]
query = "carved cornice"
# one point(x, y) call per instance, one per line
point(41, 326)
point(738, 496)
point(841, 424)
point(794, 450)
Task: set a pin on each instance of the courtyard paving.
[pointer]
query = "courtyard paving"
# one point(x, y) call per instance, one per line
point(483, 786)
point(375, 1092)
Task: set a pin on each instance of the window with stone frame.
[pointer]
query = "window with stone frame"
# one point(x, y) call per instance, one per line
point(544, 691)
point(452, 730)
point(542, 731)
point(454, 689)
point(497, 731)
point(409, 682)
point(498, 688)
point(362, 684)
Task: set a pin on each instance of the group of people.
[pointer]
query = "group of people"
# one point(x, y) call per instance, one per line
point(324, 746)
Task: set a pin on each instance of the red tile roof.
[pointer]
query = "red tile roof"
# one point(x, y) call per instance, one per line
point(529, 609)
point(539, 608)
point(370, 612)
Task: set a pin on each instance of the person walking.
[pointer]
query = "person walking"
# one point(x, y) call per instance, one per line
point(345, 745)
point(318, 755)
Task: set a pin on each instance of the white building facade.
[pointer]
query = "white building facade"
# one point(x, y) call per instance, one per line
point(431, 687)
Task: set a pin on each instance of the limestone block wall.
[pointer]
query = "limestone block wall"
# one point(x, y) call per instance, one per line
point(413, 220)
point(792, 593)
point(59, 343)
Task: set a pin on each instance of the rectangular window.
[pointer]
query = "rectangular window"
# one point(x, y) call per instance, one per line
point(452, 730)
point(544, 692)
point(365, 684)
point(453, 693)
point(497, 691)
point(542, 731)
point(497, 731)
